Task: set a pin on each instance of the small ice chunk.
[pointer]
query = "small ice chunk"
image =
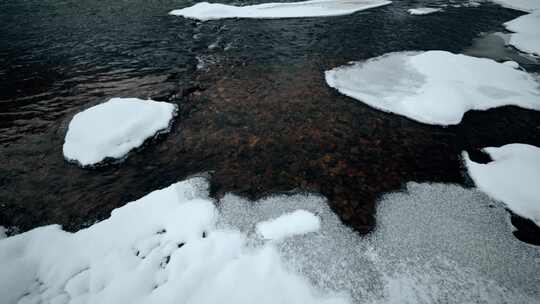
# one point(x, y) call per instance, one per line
point(315, 8)
point(113, 128)
point(526, 36)
point(435, 87)
point(423, 10)
point(289, 224)
point(513, 177)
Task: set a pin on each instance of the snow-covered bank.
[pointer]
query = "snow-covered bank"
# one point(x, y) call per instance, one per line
point(113, 128)
point(423, 10)
point(526, 36)
point(315, 8)
point(513, 177)
point(435, 87)
point(297, 222)
point(174, 246)
point(163, 248)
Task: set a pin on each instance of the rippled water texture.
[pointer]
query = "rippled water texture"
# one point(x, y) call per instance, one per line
point(254, 109)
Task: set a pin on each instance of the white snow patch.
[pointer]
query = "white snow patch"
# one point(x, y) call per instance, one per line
point(433, 244)
point(423, 10)
point(435, 87)
point(513, 177)
point(526, 36)
point(3, 232)
point(297, 222)
point(162, 248)
point(521, 5)
point(113, 128)
point(315, 8)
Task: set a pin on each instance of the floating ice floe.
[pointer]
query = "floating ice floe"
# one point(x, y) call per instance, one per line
point(423, 10)
point(526, 36)
point(175, 246)
point(297, 222)
point(513, 177)
point(113, 128)
point(435, 87)
point(315, 8)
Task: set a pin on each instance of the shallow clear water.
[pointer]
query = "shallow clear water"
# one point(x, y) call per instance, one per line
point(56, 56)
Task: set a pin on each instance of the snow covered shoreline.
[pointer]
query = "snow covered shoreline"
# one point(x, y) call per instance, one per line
point(173, 245)
point(205, 11)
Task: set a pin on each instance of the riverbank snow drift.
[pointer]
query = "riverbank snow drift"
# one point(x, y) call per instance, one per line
point(175, 246)
point(297, 222)
point(423, 10)
point(315, 8)
point(162, 248)
point(113, 128)
point(435, 87)
point(513, 177)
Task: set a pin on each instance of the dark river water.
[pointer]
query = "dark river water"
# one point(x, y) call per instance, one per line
point(255, 112)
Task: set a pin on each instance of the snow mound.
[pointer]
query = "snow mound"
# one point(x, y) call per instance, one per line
point(520, 5)
point(113, 128)
point(315, 8)
point(423, 10)
point(526, 36)
point(435, 87)
point(513, 177)
point(297, 222)
point(162, 248)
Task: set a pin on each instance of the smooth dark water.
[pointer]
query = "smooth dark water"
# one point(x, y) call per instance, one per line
point(239, 84)
point(56, 56)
